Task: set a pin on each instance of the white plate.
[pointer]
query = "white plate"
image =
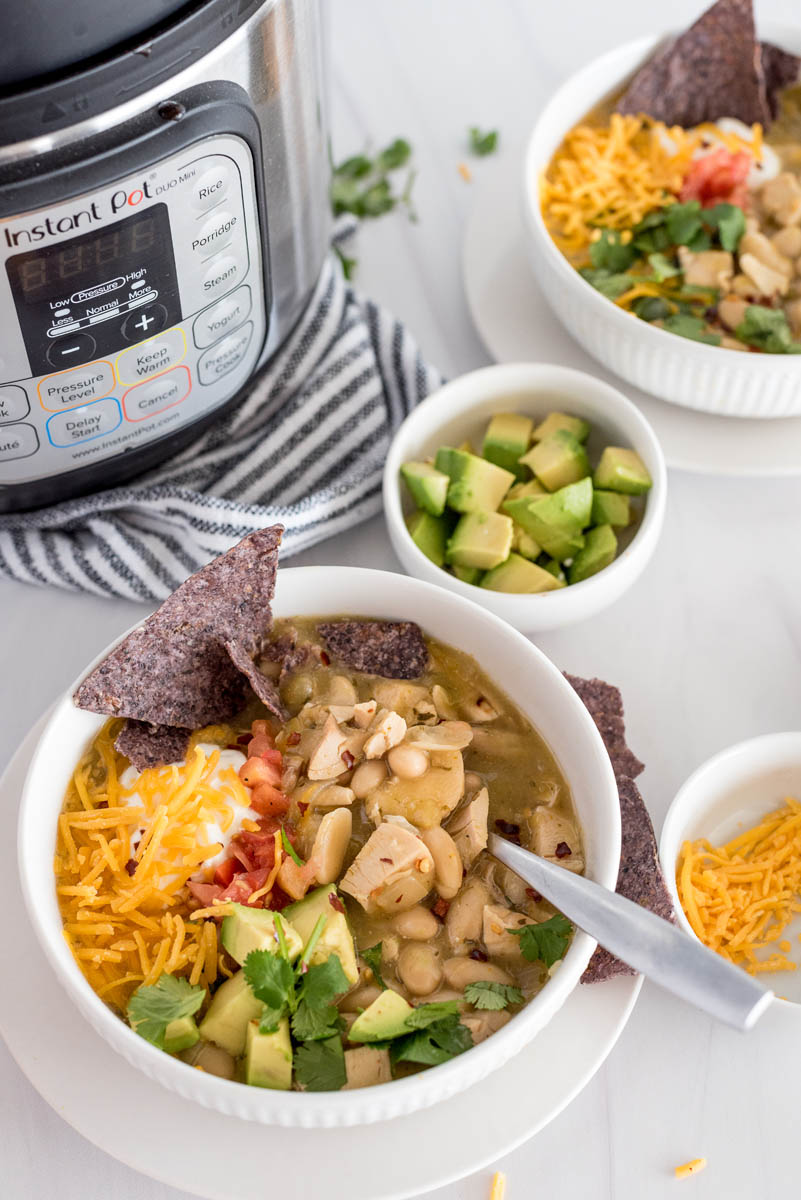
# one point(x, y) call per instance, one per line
point(222, 1158)
point(517, 325)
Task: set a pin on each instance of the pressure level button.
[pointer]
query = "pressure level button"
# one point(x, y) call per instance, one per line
point(212, 186)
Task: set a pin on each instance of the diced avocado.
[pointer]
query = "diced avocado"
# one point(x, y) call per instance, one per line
point(467, 574)
point(523, 543)
point(622, 471)
point(555, 520)
point(366, 1066)
point(383, 1019)
point(336, 937)
point(246, 929)
point(519, 575)
point(232, 1007)
point(559, 420)
point(610, 508)
point(554, 567)
point(481, 539)
point(427, 485)
point(430, 534)
point(467, 447)
point(600, 548)
point(476, 485)
point(180, 1034)
point(268, 1057)
point(558, 460)
point(531, 488)
point(507, 439)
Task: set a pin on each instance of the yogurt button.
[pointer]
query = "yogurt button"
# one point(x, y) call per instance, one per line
point(216, 232)
point(225, 356)
point(18, 441)
point(13, 404)
point(84, 423)
point(212, 186)
point(223, 274)
point(147, 399)
point(222, 317)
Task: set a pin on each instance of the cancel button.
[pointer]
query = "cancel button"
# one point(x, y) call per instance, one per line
point(147, 399)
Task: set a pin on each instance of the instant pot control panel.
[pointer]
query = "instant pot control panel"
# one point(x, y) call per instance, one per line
point(129, 312)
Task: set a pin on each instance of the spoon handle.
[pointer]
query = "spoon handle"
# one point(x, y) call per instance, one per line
point(653, 946)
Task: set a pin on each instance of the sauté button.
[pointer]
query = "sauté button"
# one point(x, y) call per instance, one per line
point(212, 186)
point(147, 399)
point(144, 322)
point(151, 357)
point(81, 386)
point(18, 441)
point(70, 349)
point(13, 404)
point(216, 232)
point(84, 423)
point(222, 317)
point(225, 356)
point(223, 274)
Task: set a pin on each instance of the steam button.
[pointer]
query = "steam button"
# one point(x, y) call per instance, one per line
point(223, 274)
point(13, 404)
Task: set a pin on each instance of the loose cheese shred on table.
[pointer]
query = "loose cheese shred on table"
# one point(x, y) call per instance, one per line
point(739, 898)
point(124, 913)
point(690, 1168)
point(498, 1189)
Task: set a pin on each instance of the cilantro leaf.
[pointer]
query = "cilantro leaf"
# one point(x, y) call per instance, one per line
point(440, 1041)
point(546, 942)
point(426, 1014)
point(397, 154)
point(311, 1024)
point(288, 847)
point(349, 265)
point(270, 1019)
point(482, 143)
point(323, 982)
point(611, 253)
point(372, 956)
point(152, 1008)
point(767, 329)
point(492, 996)
point(729, 221)
point(354, 168)
point(608, 283)
point(271, 979)
point(650, 308)
point(320, 1066)
point(662, 267)
point(694, 328)
point(683, 222)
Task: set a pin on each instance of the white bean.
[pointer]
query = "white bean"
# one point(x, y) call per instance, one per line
point(368, 775)
point(472, 782)
point(340, 691)
point(419, 968)
point(459, 972)
point(465, 919)
point(363, 997)
point(407, 762)
point(331, 843)
point(448, 868)
point(418, 923)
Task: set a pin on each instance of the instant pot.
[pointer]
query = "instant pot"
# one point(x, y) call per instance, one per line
point(163, 219)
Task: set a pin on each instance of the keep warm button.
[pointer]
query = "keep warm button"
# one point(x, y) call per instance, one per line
point(152, 357)
point(225, 355)
point(147, 399)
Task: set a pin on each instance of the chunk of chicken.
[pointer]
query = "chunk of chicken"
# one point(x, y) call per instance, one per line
point(478, 710)
point(482, 1024)
point(364, 713)
point(793, 311)
point(731, 310)
point(392, 871)
point(787, 241)
point(366, 1066)
point(760, 247)
point(781, 197)
point(766, 281)
point(388, 729)
point(497, 922)
point(468, 828)
point(442, 702)
point(414, 702)
point(555, 837)
point(325, 760)
point(710, 268)
point(426, 800)
point(448, 735)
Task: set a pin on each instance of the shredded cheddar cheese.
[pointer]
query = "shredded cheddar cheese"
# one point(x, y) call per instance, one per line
point(498, 1189)
point(690, 1168)
point(739, 898)
point(124, 905)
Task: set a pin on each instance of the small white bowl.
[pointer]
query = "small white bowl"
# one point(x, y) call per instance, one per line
point(461, 410)
point(709, 378)
point(528, 678)
point(726, 795)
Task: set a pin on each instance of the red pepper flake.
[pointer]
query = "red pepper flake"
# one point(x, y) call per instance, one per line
point(302, 807)
point(479, 955)
point(509, 830)
point(131, 866)
point(563, 850)
point(324, 659)
point(532, 895)
point(293, 738)
point(399, 898)
point(389, 860)
point(347, 758)
point(440, 908)
point(336, 903)
point(102, 804)
point(243, 739)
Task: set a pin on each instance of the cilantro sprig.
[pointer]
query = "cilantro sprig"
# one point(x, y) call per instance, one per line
point(492, 996)
point(436, 1036)
point(152, 1008)
point(545, 942)
point(372, 956)
point(482, 142)
point(320, 1066)
point(362, 186)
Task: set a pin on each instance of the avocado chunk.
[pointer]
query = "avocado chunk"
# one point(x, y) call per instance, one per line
point(232, 1007)
point(555, 520)
point(507, 439)
point(268, 1057)
point(558, 460)
point(622, 470)
point(553, 566)
point(559, 420)
point(180, 1034)
point(476, 485)
point(519, 575)
point(246, 929)
point(383, 1019)
point(430, 534)
point(336, 937)
point(600, 548)
point(467, 447)
point(428, 486)
point(467, 574)
point(523, 543)
point(610, 508)
point(481, 539)
point(531, 487)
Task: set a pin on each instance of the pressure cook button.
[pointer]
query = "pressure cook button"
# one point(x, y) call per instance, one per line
point(71, 349)
point(81, 386)
point(13, 404)
point(151, 357)
point(212, 186)
point(222, 275)
point(144, 322)
point(225, 356)
point(222, 317)
point(84, 423)
point(18, 441)
point(147, 399)
point(216, 232)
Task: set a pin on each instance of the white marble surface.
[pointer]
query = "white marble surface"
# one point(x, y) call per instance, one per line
point(706, 647)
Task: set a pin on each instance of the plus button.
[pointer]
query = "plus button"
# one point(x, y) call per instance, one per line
point(139, 325)
point(144, 322)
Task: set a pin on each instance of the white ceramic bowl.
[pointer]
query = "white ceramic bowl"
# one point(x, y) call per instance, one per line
point(531, 681)
point(461, 410)
point(710, 378)
point(730, 792)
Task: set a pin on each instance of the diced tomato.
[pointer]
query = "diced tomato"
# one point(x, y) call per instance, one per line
point(242, 887)
point(268, 801)
point(262, 727)
point(257, 848)
point(206, 893)
point(260, 744)
point(226, 871)
point(718, 177)
point(257, 771)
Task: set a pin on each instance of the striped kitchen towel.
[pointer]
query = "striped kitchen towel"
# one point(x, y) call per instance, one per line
point(304, 447)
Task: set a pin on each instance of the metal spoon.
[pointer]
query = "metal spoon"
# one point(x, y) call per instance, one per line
point(661, 951)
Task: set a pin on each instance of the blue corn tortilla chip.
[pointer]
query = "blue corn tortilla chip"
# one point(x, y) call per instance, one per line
point(781, 69)
point(393, 649)
point(151, 745)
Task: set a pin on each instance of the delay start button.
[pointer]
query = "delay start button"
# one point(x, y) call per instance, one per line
point(84, 423)
point(147, 399)
point(79, 386)
point(222, 317)
point(152, 357)
point(225, 355)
